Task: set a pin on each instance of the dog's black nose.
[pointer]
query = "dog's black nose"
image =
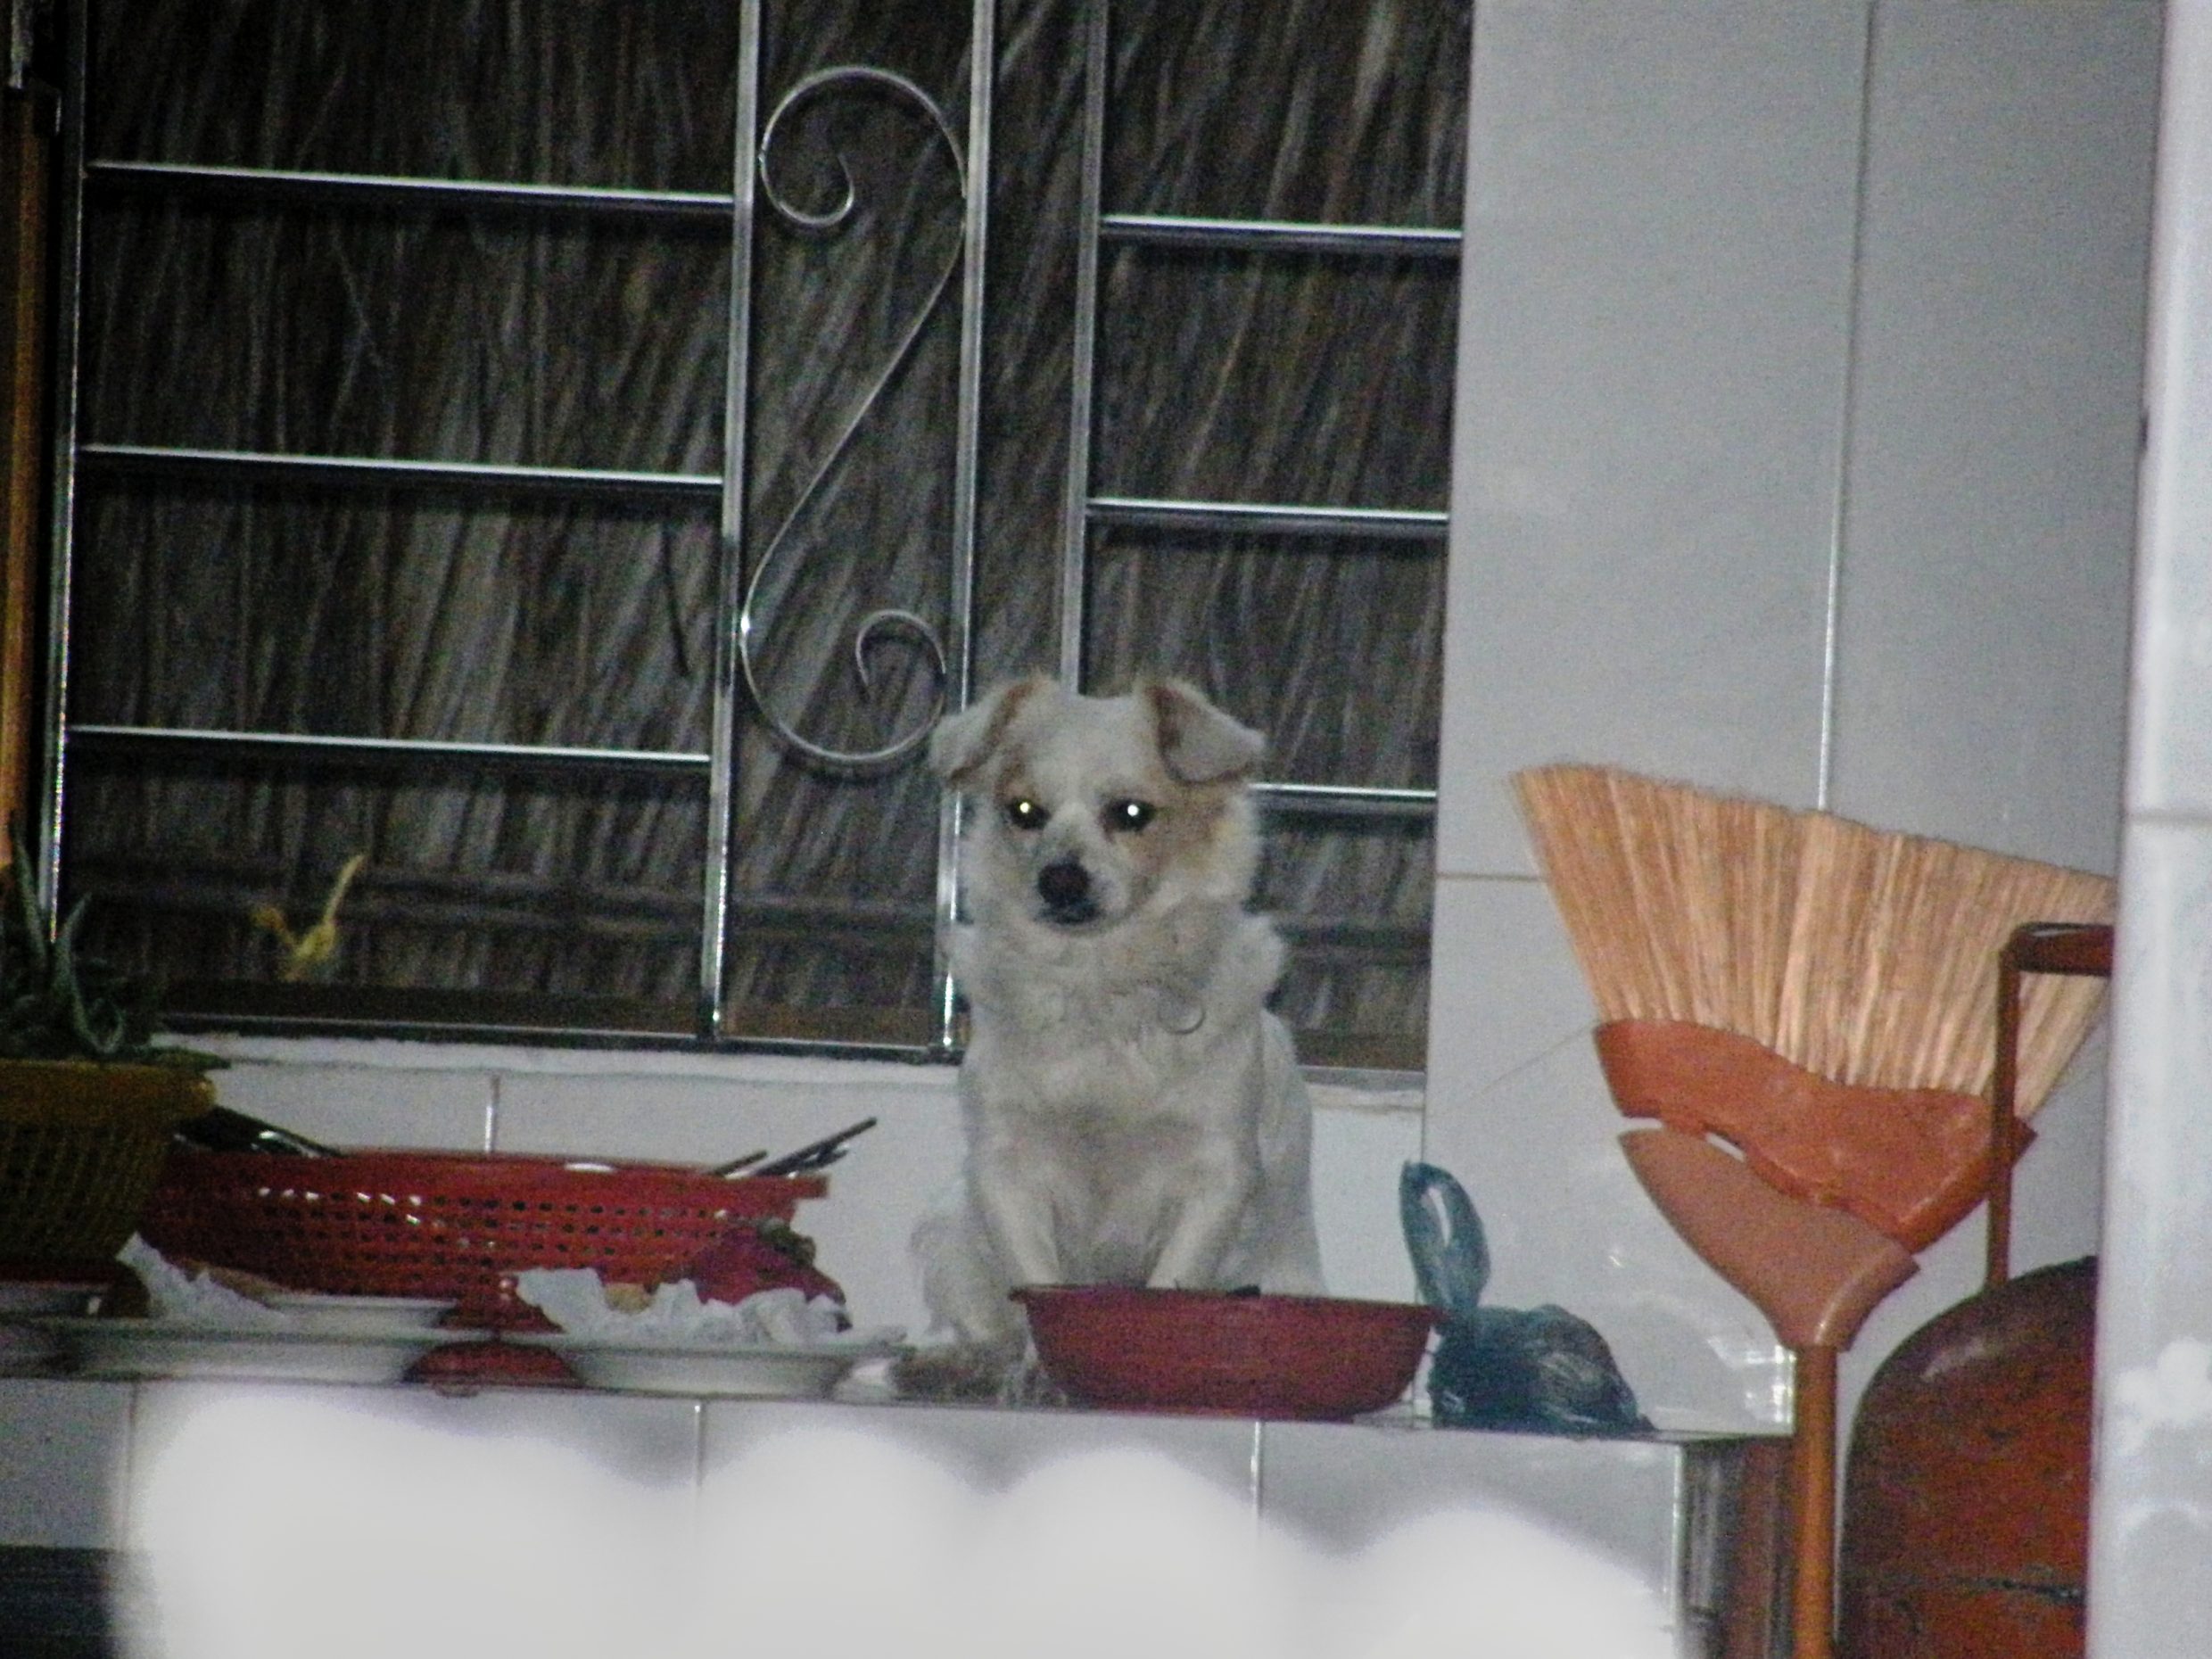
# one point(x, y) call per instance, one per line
point(1066, 889)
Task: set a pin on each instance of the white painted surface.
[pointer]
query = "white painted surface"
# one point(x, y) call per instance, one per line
point(1653, 331)
point(587, 1523)
point(2150, 1522)
point(1717, 339)
point(1989, 503)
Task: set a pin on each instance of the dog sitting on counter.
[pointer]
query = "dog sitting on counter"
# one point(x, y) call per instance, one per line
point(1134, 1113)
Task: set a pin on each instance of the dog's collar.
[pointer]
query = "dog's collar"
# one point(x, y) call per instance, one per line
point(1182, 1010)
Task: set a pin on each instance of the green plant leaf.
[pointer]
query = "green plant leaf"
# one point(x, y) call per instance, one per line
point(57, 1003)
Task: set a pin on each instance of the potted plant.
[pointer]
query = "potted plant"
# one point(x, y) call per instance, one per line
point(89, 1101)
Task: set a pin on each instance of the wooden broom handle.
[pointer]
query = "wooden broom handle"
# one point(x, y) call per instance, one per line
point(1813, 1505)
point(2067, 947)
point(2036, 947)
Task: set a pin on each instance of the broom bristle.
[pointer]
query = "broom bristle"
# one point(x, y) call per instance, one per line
point(1867, 956)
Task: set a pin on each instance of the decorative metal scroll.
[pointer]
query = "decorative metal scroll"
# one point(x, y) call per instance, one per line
point(875, 627)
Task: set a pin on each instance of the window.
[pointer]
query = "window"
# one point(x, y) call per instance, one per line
point(430, 557)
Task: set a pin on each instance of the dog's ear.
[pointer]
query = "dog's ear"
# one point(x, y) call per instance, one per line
point(1198, 743)
point(964, 741)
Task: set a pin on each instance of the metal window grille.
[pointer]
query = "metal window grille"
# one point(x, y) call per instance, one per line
point(216, 764)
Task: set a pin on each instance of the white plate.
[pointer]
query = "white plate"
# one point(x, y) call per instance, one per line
point(359, 1316)
point(168, 1348)
point(765, 1371)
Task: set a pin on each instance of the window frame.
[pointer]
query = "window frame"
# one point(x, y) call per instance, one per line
point(1084, 512)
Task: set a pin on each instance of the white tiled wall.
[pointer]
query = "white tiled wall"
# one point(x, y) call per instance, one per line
point(2150, 1569)
point(582, 1523)
point(1990, 501)
point(1795, 454)
point(1654, 330)
point(392, 1094)
point(63, 1442)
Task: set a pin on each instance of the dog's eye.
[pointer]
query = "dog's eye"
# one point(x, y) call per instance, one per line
point(1128, 816)
point(1024, 814)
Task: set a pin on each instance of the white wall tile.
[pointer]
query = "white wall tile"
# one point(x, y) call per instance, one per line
point(1989, 521)
point(877, 1192)
point(752, 1104)
point(2150, 1574)
point(1519, 1112)
point(62, 1449)
point(988, 1449)
point(1604, 608)
point(363, 1106)
point(938, 1531)
point(2170, 762)
point(1653, 342)
point(522, 1521)
point(2151, 1587)
point(1345, 1486)
point(1357, 1156)
point(649, 1440)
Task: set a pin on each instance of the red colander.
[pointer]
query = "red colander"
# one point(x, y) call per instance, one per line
point(449, 1224)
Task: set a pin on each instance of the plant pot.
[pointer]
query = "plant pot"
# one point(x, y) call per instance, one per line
point(82, 1144)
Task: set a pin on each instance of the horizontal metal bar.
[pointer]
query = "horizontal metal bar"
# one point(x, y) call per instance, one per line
point(438, 195)
point(1315, 800)
point(1257, 235)
point(1394, 523)
point(563, 1027)
point(264, 746)
point(377, 473)
point(510, 903)
point(1330, 800)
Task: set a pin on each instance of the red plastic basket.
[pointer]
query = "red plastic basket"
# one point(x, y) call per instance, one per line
point(449, 1225)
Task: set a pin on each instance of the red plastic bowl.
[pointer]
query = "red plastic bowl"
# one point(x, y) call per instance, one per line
point(453, 1224)
point(1227, 1355)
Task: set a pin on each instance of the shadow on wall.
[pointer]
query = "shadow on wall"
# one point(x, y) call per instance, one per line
point(269, 1528)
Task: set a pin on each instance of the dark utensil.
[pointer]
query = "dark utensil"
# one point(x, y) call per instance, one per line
point(815, 1155)
point(219, 1130)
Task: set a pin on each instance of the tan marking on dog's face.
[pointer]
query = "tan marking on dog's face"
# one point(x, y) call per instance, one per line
point(1186, 828)
point(1198, 743)
point(999, 714)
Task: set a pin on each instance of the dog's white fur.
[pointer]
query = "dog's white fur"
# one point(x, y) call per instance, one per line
point(1134, 1113)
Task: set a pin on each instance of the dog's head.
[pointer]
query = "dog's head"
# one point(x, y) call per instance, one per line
point(1092, 809)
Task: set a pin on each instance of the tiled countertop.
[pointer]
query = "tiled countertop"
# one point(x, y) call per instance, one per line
point(334, 1490)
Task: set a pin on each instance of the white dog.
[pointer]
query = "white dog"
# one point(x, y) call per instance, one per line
point(1134, 1113)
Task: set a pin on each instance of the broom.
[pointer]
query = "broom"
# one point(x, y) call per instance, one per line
point(1866, 956)
point(1716, 933)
